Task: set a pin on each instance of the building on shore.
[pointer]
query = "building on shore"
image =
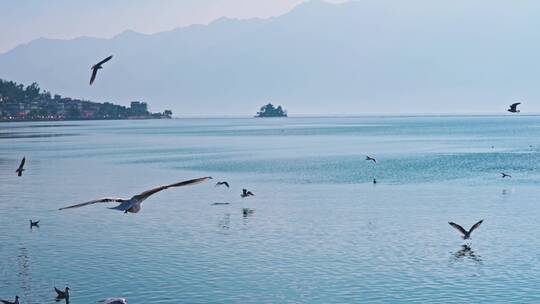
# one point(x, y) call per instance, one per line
point(19, 103)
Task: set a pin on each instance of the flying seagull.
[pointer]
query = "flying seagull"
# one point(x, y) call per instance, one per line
point(371, 158)
point(97, 67)
point(133, 204)
point(114, 301)
point(21, 167)
point(466, 234)
point(246, 193)
point(62, 294)
point(34, 224)
point(513, 107)
point(9, 302)
point(505, 175)
point(223, 183)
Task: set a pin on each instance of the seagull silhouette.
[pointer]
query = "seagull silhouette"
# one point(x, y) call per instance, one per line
point(246, 193)
point(466, 234)
point(114, 301)
point(371, 158)
point(133, 204)
point(34, 224)
point(513, 107)
point(505, 175)
point(21, 167)
point(9, 302)
point(223, 184)
point(62, 294)
point(97, 67)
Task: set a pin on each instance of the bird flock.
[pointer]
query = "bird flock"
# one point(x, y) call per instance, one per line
point(134, 203)
point(126, 205)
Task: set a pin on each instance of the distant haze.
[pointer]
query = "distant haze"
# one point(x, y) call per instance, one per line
point(360, 57)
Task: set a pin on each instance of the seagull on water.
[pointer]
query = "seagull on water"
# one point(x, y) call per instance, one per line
point(246, 193)
point(62, 294)
point(97, 67)
point(21, 167)
point(34, 224)
point(114, 301)
point(371, 158)
point(513, 107)
point(133, 204)
point(505, 175)
point(222, 184)
point(466, 234)
point(9, 302)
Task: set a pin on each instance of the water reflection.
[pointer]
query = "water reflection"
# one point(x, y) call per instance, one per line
point(225, 222)
point(24, 273)
point(220, 204)
point(247, 212)
point(15, 135)
point(466, 253)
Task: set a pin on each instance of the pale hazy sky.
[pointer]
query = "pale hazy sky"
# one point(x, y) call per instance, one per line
point(24, 20)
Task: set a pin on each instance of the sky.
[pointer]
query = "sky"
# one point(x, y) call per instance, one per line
point(65, 19)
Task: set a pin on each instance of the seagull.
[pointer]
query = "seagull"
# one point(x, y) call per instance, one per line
point(62, 294)
point(466, 234)
point(9, 302)
point(246, 193)
point(97, 67)
point(133, 204)
point(513, 107)
point(374, 181)
point(114, 301)
point(34, 224)
point(223, 183)
point(505, 175)
point(21, 167)
point(371, 158)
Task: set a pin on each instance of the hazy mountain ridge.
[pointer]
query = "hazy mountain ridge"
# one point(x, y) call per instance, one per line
point(357, 57)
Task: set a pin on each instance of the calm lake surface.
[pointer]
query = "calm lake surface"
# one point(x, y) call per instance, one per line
point(321, 231)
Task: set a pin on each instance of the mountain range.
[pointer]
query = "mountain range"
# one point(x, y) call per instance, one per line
point(358, 57)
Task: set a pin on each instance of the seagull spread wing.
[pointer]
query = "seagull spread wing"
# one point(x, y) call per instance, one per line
point(59, 292)
point(101, 200)
point(94, 73)
point(475, 226)
point(103, 61)
point(148, 193)
point(6, 302)
point(458, 227)
point(22, 163)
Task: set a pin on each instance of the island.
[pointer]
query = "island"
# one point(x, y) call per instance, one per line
point(270, 111)
point(19, 103)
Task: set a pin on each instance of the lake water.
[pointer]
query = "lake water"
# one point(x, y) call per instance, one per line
point(321, 231)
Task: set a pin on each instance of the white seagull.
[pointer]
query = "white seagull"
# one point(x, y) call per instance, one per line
point(133, 204)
